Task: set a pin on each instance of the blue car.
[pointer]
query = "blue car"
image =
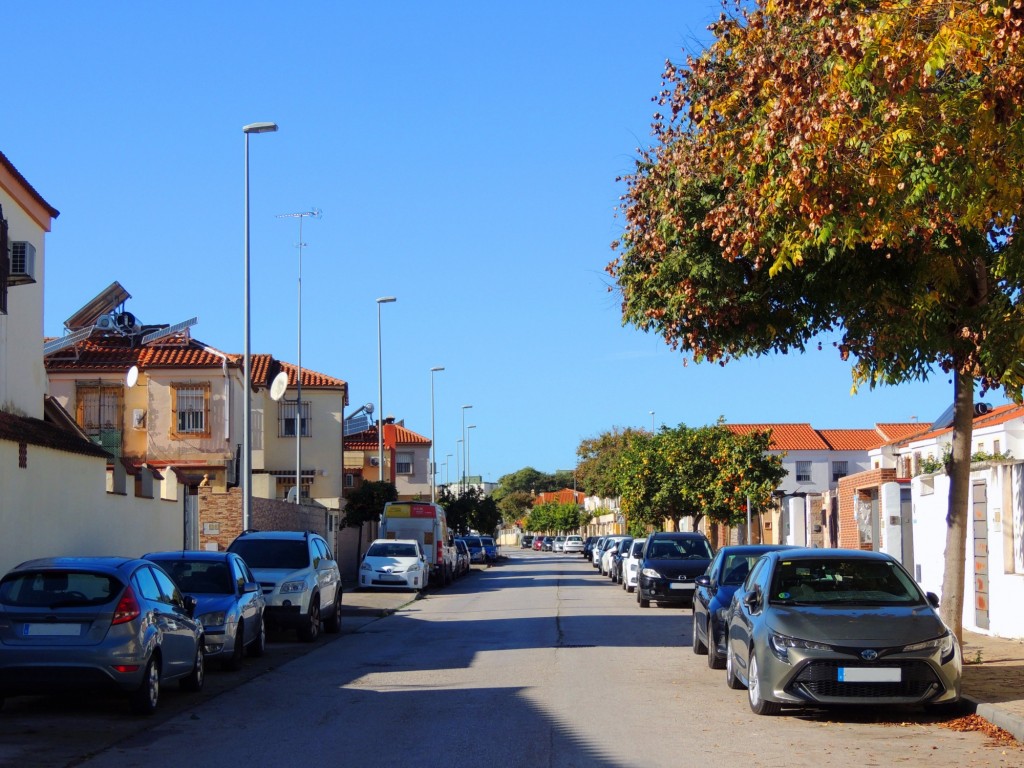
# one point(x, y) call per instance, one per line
point(713, 594)
point(490, 548)
point(476, 549)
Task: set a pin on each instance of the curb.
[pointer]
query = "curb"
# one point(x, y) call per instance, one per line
point(1010, 722)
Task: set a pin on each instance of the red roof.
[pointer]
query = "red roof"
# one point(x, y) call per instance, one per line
point(261, 373)
point(786, 437)
point(852, 439)
point(804, 437)
point(367, 439)
point(998, 415)
point(564, 496)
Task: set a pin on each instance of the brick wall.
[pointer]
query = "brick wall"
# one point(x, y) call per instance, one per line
point(850, 486)
point(221, 512)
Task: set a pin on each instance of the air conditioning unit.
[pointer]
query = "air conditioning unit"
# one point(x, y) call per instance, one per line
point(23, 263)
point(105, 323)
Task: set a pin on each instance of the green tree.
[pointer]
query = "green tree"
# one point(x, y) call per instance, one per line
point(596, 471)
point(515, 506)
point(843, 167)
point(471, 510)
point(365, 505)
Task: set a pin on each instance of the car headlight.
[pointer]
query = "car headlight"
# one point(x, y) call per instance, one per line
point(780, 645)
point(365, 567)
point(215, 619)
point(945, 645)
point(290, 587)
point(650, 573)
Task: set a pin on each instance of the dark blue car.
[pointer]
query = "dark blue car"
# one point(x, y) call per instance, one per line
point(490, 548)
point(669, 565)
point(713, 594)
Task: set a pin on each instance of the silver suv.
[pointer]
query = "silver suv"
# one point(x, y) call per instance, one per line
point(299, 577)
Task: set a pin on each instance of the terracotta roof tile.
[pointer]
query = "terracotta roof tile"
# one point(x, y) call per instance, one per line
point(999, 415)
point(367, 439)
point(786, 437)
point(564, 496)
point(852, 439)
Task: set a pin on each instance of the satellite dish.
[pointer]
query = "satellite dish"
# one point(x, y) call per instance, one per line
point(133, 377)
point(279, 386)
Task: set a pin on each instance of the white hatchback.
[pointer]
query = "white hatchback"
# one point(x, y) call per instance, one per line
point(573, 544)
point(631, 565)
point(393, 563)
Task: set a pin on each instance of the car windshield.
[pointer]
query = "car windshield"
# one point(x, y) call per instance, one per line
point(58, 589)
point(487, 541)
point(272, 553)
point(472, 541)
point(679, 549)
point(735, 569)
point(392, 549)
point(200, 576)
point(638, 547)
point(838, 580)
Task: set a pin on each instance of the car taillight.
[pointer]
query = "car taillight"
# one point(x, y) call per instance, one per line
point(128, 608)
point(440, 552)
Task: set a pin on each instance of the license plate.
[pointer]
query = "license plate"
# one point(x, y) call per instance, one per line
point(52, 630)
point(870, 674)
point(681, 586)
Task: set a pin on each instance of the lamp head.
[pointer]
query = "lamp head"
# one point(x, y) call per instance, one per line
point(386, 299)
point(259, 128)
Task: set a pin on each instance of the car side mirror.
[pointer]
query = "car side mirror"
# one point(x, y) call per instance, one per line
point(703, 580)
point(752, 599)
point(933, 599)
point(190, 604)
point(250, 586)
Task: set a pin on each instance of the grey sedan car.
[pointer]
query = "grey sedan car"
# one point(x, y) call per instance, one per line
point(813, 627)
point(88, 623)
point(229, 601)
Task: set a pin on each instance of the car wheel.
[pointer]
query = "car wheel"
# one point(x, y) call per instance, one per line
point(311, 630)
point(698, 647)
point(196, 678)
point(644, 602)
point(333, 624)
point(730, 668)
point(715, 660)
point(259, 646)
point(630, 589)
point(235, 662)
point(757, 703)
point(145, 698)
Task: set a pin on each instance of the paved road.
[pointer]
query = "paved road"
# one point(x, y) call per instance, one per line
point(539, 661)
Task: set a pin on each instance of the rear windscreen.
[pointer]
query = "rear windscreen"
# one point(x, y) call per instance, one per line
point(54, 589)
point(272, 553)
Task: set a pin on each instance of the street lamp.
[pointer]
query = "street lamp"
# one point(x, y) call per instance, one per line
point(652, 421)
point(459, 467)
point(471, 426)
point(446, 480)
point(380, 394)
point(298, 377)
point(433, 441)
point(246, 351)
point(462, 484)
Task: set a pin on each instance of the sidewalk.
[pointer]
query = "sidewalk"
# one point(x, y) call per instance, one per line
point(993, 680)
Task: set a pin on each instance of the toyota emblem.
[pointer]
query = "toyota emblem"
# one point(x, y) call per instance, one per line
point(869, 655)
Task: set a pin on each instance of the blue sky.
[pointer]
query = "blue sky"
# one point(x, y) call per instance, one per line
point(465, 158)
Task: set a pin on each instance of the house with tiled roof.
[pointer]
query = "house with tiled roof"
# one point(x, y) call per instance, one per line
point(57, 496)
point(406, 459)
point(155, 396)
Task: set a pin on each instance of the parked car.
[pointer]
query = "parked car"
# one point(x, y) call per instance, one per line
point(490, 548)
point(538, 543)
point(394, 563)
point(672, 561)
point(85, 623)
point(558, 544)
point(713, 595)
point(547, 544)
point(463, 558)
point(588, 546)
point(299, 576)
point(831, 626)
point(229, 601)
point(631, 564)
point(596, 550)
point(573, 545)
point(526, 542)
point(607, 549)
point(476, 549)
point(618, 551)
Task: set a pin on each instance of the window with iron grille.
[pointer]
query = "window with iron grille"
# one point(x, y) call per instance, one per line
point(403, 463)
point(803, 471)
point(286, 419)
point(191, 406)
point(286, 482)
point(839, 469)
point(99, 412)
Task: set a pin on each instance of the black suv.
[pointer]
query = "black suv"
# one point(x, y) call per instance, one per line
point(299, 577)
point(669, 564)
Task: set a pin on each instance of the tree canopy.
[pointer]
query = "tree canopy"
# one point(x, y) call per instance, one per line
point(852, 167)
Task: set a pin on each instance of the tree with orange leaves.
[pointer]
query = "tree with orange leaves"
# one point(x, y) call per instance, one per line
point(844, 166)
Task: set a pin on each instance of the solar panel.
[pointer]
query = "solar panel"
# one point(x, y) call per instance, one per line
point(56, 345)
point(169, 330)
point(357, 423)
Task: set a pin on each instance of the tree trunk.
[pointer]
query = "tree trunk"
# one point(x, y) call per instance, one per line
point(959, 471)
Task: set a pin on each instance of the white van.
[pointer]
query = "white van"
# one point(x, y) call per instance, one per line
point(427, 523)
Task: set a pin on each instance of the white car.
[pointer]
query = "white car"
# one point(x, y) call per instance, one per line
point(394, 563)
point(595, 553)
point(558, 544)
point(631, 565)
point(610, 542)
point(573, 544)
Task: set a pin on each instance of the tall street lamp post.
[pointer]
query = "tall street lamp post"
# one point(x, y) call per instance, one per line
point(447, 482)
point(298, 376)
point(468, 453)
point(380, 393)
point(433, 441)
point(462, 483)
point(246, 350)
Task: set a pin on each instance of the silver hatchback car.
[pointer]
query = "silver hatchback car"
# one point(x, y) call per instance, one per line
point(88, 623)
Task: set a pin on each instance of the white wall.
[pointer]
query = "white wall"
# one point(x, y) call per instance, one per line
point(58, 505)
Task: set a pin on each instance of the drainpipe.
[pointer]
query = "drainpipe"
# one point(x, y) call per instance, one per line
point(227, 391)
